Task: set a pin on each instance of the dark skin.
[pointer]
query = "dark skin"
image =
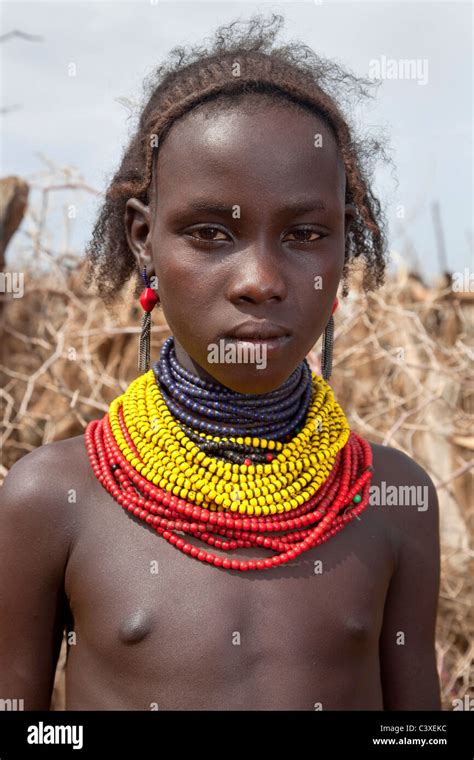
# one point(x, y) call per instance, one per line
point(303, 636)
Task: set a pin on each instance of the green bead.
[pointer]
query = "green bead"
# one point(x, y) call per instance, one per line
point(357, 498)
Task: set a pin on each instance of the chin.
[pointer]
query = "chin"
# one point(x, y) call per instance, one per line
point(249, 379)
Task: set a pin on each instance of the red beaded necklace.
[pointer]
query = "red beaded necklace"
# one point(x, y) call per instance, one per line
point(340, 499)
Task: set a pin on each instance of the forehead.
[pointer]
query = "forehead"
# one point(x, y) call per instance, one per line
point(255, 146)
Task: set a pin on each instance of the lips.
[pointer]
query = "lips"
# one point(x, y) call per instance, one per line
point(258, 331)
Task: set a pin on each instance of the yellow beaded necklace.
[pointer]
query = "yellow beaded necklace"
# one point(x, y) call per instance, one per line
point(154, 444)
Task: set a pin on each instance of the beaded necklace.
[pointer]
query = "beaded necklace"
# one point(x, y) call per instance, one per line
point(281, 471)
point(274, 415)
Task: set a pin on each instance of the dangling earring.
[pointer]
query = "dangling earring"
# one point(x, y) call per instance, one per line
point(148, 300)
point(326, 352)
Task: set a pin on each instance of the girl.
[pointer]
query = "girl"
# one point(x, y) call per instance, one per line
point(246, 568)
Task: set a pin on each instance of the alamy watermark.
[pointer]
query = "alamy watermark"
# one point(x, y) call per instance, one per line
point(463, 282)
point(48, 734)
point(12, 282)
point(12, 705)
point(238, 352)
point(399, 496)
point(415, 69)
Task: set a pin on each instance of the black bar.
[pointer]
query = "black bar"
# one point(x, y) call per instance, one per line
point(446, 734)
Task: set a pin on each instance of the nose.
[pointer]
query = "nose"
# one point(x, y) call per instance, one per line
point(258, 277)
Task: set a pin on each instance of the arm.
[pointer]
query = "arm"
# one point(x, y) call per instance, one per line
point(34, 545)
point(408, 670)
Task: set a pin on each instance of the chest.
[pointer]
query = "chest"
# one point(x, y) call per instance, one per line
point(136, 599)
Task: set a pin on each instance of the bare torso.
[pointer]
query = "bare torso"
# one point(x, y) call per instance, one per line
point(348, 625)
point(156, 629)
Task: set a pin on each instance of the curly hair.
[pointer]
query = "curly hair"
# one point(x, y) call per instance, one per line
point(198, 74)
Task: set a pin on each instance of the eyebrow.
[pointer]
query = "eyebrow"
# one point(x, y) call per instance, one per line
point(209, 206)
point(295, 208)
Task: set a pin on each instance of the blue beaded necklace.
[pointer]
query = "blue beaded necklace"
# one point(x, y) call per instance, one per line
point(202, 407)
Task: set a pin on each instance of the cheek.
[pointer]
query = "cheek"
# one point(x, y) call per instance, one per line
point(187, 293)
point(318, 277)
point(179, 276)
point(174, 268)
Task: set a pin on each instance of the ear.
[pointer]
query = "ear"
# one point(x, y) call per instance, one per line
point(350, 214)
point(137, 220)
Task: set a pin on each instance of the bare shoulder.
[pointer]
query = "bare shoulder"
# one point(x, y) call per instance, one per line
point(406, 496)
point(394, 461)
point(394, 467)
point(41, 486)
point(48, 467)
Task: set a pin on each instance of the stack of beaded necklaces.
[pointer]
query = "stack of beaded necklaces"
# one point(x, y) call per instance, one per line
point(281, 471)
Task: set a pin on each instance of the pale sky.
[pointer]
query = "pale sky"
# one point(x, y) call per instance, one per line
point(78, 121)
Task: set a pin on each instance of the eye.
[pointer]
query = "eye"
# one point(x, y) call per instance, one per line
point(304, 235)
point(208, 234)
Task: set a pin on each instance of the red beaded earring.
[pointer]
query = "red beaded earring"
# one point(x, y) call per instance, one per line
point(148, 300)
point(328, 338)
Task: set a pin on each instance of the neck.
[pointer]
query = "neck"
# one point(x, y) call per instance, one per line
point(191, 366)
point(209, 407)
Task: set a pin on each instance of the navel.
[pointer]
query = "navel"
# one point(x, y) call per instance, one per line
point(135, 627)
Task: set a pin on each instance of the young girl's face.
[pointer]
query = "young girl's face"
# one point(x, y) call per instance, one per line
point(246, 226)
